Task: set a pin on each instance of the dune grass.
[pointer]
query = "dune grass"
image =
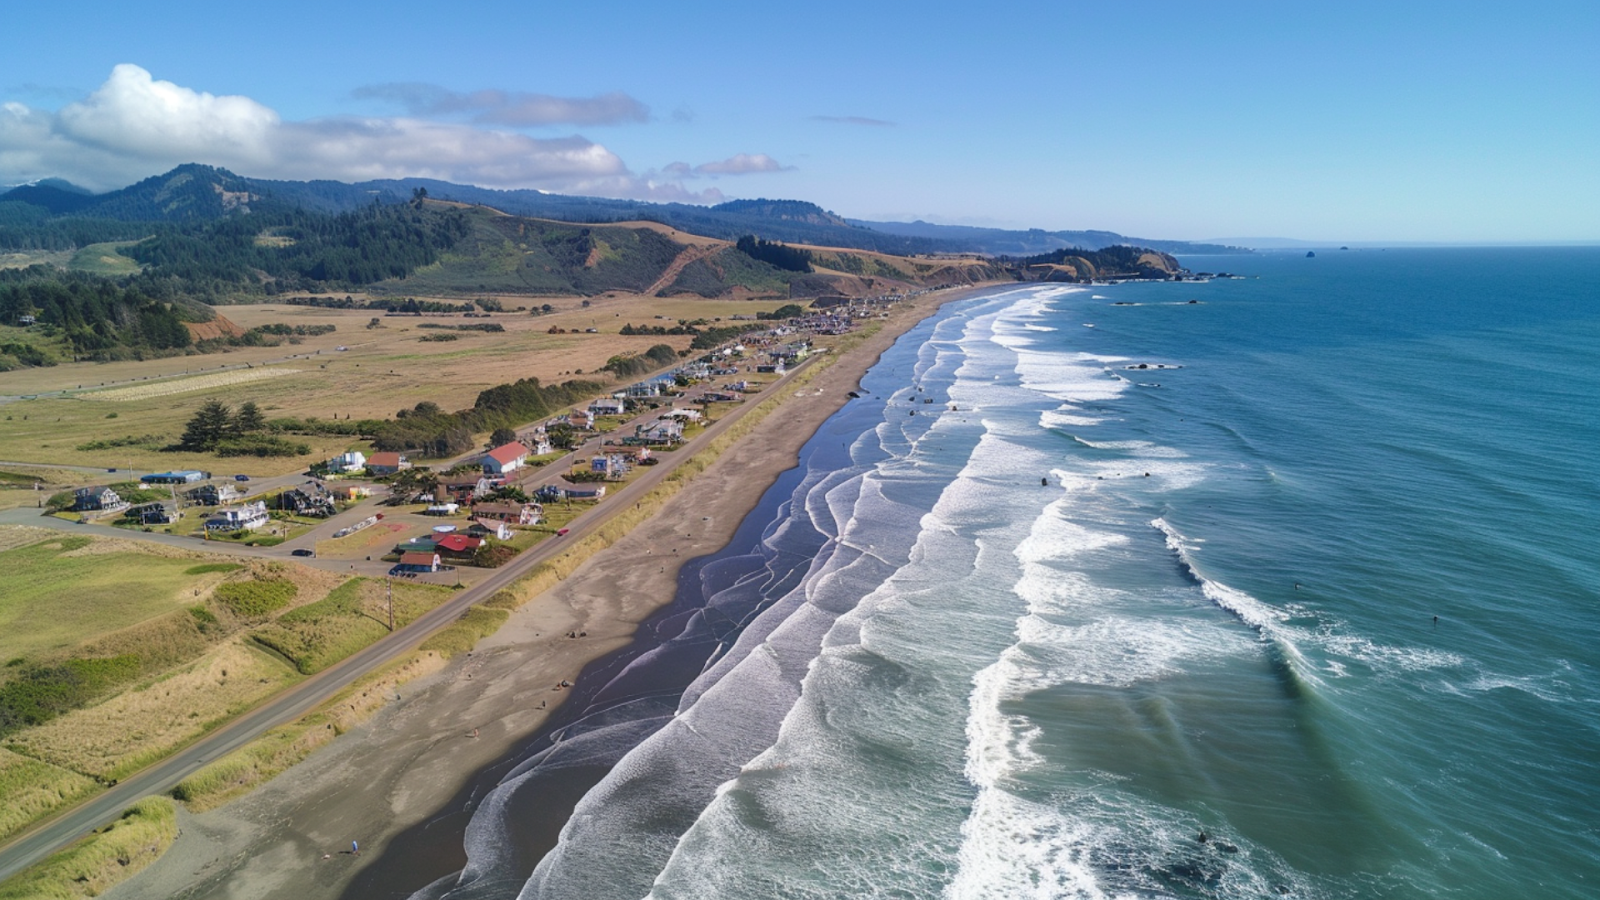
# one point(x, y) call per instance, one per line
point(30, 790)
point(263, 758)
point(477, 623)
point(352, 616)
point(108, 856)
point(119, 736)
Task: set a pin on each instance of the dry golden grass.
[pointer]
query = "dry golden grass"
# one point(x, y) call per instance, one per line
point(210, 382)
point(262, 759)
point(111, 855)
point(383, 370)
point(132, 729)
point(30, 790)
point(21, 535)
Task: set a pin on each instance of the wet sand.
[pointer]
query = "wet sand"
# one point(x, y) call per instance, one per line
point(407, 770)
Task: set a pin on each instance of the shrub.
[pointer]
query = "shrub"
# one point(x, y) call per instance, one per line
point(44, 692)
point(253, 599)
point(204, 568)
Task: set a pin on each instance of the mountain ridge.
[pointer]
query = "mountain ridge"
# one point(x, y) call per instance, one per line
point(193, 191)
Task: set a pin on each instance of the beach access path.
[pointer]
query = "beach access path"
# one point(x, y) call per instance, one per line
point(55, 833)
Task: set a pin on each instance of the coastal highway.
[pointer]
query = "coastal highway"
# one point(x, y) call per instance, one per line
point(53, 834)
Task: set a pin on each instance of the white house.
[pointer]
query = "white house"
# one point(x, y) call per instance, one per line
point(245, 517)
point(505, 458)
point(354, 461)
point(608, 406)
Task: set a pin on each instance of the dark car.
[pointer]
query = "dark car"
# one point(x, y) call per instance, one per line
point(302, 552)
point(241, 478)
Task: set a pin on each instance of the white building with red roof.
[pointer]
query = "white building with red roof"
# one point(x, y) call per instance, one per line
point(505, 458)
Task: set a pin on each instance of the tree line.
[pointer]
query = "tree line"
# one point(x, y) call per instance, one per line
point(96, 316)
point(790, 259)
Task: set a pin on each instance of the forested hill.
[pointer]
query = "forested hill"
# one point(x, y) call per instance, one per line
point(197, 193)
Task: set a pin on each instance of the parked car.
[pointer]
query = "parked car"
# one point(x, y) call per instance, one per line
point(303, 552)
point(562, 532)
point(241, 478)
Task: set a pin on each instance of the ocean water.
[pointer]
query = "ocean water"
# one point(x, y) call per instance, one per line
point(1286, 585)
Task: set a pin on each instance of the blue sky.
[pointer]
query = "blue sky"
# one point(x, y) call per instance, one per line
point(1346, 122)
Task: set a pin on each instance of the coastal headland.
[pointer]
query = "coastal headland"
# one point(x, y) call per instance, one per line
point(292, 837)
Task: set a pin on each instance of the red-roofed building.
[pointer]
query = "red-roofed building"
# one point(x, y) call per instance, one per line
point(458, 544)
point(505, 458)
point(416, 561)
point(387, 463)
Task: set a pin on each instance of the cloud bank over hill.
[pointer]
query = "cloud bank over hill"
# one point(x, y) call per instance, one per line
point(135, 125)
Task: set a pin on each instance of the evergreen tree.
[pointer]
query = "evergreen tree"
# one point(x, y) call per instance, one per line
point(249, 418)
point(501, 437)
point(211, 424)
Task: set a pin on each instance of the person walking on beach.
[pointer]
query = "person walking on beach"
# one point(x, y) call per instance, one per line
point(355, 849)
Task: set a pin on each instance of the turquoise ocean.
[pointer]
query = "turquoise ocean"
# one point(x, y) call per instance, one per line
point(1285, 585)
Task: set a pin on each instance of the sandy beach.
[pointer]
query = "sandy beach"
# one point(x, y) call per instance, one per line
point(292, 839)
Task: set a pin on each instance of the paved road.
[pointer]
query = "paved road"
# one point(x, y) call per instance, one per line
point(66, 827)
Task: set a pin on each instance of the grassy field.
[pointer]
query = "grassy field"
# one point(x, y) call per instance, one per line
point(382, 370)
point(55, 596)
point(103, 259)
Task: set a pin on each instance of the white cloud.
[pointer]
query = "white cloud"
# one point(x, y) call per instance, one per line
point(514, 108)
point(738, 164)
point(741, 164)
point(135, 126)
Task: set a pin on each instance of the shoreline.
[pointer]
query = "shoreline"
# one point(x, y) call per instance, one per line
point(401, 771)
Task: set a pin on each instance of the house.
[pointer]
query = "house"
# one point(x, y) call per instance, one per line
point(423, 544)
point(442, 509)
point(97, 496)
point(187, 476)
point(212, 494)
point(687, 415)
point(517, 513)
point(465, 488)
point(580, 418)
point(458, 545)
point(584, 491)
point(611, 465)
point(25, 320)
point(608, 406)
point(245, 517)
point(774, 368)
point(662, 431)
point(418, 562)
point(505, 458)
point(642, 391)
point(306, 502)
point(561, 489)
point(354, 461)
point(149, 514)
point(490, 528)
point(387, 463)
